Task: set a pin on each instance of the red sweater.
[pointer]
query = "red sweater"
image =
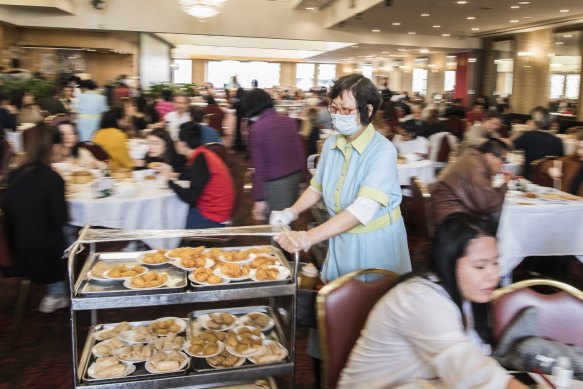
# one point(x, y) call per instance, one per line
point(217, 199)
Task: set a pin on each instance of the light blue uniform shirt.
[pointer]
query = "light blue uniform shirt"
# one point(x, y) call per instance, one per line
point(366, 167)
point(90, 107)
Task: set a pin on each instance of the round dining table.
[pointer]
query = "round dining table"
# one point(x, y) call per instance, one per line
point(154, 207)
point(424, 170)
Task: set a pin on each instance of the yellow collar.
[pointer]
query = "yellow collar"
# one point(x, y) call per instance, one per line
point(359, 144)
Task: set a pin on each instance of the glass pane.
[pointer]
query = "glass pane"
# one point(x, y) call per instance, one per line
point(503, 58)
point(572, 86)
point(326, 74)
point(557, 85)
point(420, 81)
point(305, 74)
point(565, 70)
point(182, 73)
point(449, 84)
point(367, 71)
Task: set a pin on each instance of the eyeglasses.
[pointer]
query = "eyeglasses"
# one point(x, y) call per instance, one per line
point(341, 110)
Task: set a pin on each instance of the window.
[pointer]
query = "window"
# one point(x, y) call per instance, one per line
point(266, 73)
point(565, 67)
point(572, 86)
point(557, 86)
point(326, 74)
point(420, 81)
point(449, 83)
point(367, 71)
point(182, 71)
point(305, 75)
point(503, 59)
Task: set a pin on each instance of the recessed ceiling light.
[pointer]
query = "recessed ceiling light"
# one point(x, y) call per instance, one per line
point(471, 17)
point(396, 24)
point(462, 2)
point(513, 21)
point(559, 43)
point(436, 26)
point(385, 52)
point(411, 33)
point(565, 10)
point(376, 30)
point(527, 17)
point(514, 6)
point(401, 49)
point(424, 15)
point(310, 8)
point(567, 36)
point(524, 2)
point(424, 50)
point(475, 28)
point(445, 35)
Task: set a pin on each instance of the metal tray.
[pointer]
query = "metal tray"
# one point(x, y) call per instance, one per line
point(200, 365)
point(277, 253)
point(139, 374)
point(177, 280)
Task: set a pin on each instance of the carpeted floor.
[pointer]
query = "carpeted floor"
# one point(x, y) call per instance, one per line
point(37, 354)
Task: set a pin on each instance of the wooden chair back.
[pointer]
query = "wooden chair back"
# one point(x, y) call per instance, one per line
point(537, 174)
point(422, 214)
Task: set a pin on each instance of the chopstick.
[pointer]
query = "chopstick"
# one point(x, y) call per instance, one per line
point(557, 181)
point(544, 377)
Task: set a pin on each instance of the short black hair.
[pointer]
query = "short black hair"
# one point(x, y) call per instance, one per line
point(364, 92)
point(494, 146)
point(541, 117)
point(88, 84)
point(110, 118)
point(490, 114)
point(166, 95)
point(190, 133)
point(196, 114)
point(256, 101)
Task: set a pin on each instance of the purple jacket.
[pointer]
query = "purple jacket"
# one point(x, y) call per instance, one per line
point(276, 149)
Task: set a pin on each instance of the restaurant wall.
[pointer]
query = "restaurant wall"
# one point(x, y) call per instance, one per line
point(530, 86)
point(199, 71)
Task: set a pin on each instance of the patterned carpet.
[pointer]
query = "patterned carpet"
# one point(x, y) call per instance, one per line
point(37, 354)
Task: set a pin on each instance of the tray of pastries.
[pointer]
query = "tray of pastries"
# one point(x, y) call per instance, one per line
point(137, 350)
point(123, 273)
point(234, 338)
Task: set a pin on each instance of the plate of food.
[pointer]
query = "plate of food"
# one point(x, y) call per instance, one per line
point(167, 325)
point(125, 272)
point(270, 273)
point(205, 344)
point(111, 331)
point(258, 320)
point(264, 260)
point(167, 362)
point(244, 341)
point(193, 262)
point(261, 250)
point(108, 347)
point(169, 342)
point(110, 367)
point(150, 280)
point(185, 252)
point(153, 258)
point(233, 272)
point(136, 353)
point(140, 334)
point(225, 360)
point(98, 270)
point(217, 321)
point(271, 351)
point(205, 276)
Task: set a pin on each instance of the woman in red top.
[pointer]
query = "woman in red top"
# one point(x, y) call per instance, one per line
point(216, 114)
point(211, 193)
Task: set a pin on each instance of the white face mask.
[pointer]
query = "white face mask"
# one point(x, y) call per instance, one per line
point(345, 124)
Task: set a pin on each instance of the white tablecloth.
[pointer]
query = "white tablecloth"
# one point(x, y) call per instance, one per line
point(540, 229)
point(424, 170)
point(437, 384)
point(152, 209)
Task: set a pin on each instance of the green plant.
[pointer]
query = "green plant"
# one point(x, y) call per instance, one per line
point(156, 89)
point(39, 88)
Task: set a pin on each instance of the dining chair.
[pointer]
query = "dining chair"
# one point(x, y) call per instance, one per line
point(342, 308)
point(421, 213)
point(537, 172)
point(560, 313)
point(456, 125)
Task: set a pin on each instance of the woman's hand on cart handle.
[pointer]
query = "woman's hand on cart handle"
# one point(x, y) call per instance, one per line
point(286, 216)
point(294, 241)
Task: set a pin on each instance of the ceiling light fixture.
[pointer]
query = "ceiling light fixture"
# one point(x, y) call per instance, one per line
point(202, 9)
point(376, 30)
point(514, 6)
point(424, 15)
point(411, 33)
point(424, 50)
point(471, 18)
point(524, 2)
point(565, 10)
point(475, 28)
point(462, 2)
point(396, 24)
point(513, 21)
point(559, 43)
point(437, 26)
point(310, 8)
point(567, 36)
point(445, 34)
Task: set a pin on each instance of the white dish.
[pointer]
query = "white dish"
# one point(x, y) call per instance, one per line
point(92, 277)
point(106, 275)
point(130, 368)
point(282, 275)
point(192, 279)
point(280, 357)
point(239, 362)
point(130, 337)
point(187, 346)
point(218, 272)
point(100, 355)
point(208, 264)
point(203, 319)
point(245, 354)
point(140, 259)
point(245, 261)
point(128, 284)
point(183, 364)
point(178, 321)
point(242, 319)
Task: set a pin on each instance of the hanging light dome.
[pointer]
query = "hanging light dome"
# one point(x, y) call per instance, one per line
point(202, 9)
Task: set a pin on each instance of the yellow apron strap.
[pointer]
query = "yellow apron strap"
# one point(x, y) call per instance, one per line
point(377, 223)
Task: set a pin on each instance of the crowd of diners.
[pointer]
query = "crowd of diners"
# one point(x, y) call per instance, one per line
point(356, 179)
